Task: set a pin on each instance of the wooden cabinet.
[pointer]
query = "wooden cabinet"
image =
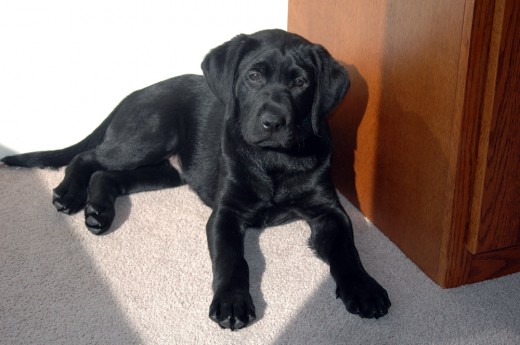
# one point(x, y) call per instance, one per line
point(427, 141)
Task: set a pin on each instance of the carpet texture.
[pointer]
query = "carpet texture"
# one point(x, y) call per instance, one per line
point(148, 281)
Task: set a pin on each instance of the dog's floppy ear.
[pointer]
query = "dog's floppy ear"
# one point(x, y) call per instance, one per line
point(332, 83)
point(219, 66)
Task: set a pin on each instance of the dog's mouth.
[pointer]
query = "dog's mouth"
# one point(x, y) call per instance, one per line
point(267, 144)
point(274, 142)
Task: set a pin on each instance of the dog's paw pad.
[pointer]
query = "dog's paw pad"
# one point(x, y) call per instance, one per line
point(69, 201)
point(60, 207)
point(98, 219)
point(91, 221)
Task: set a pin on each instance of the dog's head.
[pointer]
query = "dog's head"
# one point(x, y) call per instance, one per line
point(279, 86)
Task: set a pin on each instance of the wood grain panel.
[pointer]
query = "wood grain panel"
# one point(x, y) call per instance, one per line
point(500, 207)
point(494, 264)
point(485, 53)
point(455, 259)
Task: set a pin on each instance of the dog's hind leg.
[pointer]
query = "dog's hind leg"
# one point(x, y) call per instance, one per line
point(71, 194)
point(106, 186)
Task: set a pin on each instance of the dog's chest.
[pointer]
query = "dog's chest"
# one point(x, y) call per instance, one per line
point(281, 191)
point(280, 204)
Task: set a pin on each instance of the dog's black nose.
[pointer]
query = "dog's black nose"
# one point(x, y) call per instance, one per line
point(272, 122)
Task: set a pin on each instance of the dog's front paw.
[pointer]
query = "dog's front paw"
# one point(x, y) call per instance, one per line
point(232, 309)
point(98, 218)
point(364, 296)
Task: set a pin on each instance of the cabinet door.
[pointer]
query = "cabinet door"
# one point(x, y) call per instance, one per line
point(495, 217)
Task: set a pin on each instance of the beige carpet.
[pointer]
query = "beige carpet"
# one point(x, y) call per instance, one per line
point(149, 281)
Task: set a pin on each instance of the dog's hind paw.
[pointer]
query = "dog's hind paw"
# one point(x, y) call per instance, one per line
point(98, 219)
point(69, 201)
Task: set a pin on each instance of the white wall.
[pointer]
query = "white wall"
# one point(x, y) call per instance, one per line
point(64, 65)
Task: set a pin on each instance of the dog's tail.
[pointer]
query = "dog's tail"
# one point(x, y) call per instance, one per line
point(59, 158)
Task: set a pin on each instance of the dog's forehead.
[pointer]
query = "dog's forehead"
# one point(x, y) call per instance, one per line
point(280, 39)
point(279, 52)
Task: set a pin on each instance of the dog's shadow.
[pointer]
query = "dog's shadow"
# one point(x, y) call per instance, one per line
point(256, 262)
point(344, 123)
point(253, 254)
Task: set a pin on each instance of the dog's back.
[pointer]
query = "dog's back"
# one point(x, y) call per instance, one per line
point(145, 127)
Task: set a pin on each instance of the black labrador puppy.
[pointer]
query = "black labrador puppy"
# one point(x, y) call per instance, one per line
point(251, 139)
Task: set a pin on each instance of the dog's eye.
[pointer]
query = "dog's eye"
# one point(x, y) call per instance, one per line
point(300, 82)
point(255, 76)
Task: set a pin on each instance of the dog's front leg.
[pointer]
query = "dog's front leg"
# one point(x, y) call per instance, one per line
point(332, 239)
point(232, 305)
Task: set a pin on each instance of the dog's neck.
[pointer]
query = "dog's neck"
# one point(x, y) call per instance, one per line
point(311, 154)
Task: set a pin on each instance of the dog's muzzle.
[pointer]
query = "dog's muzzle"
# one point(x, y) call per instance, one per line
point(272, 122)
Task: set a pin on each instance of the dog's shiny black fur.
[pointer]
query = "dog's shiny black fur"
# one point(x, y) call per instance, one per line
point(251, 140)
